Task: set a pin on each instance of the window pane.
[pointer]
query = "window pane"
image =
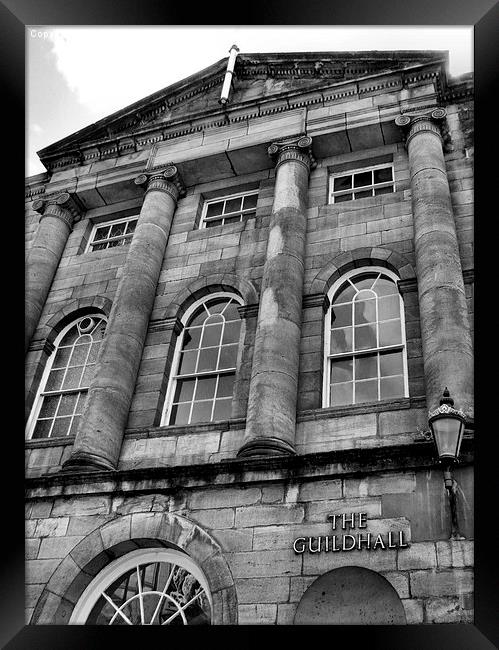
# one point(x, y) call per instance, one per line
point(67, 405)
point(101, 233)
point(61, 427)
point(213, 223)
point(383, 175)
point(389, 333)
point(366, 391)
point(223, 409)
point(187, 363)
point(198, 317)
point(343, 197)
point(42, 429)
point(180, 413)
point(207, 359)
point(363, 282)
point(231, 332)
point(211, 335)
point(201, 412)
point(231, 313)
point(385, 287)
point(228, 356)
point(341, 371)
point(192, 337)
point(383, 190)
point(365, 337)
point(250, 201)
point(72, 378)
point(205, 388)
point(341, 340)
point(341, 315)
point(118, 229)
point(99, 247)
point(233, 205)
point(49, 406)
point(366, 367)
point(235, 219)
point(131, 225)
point(363, 194)
point(216, 307)
point(362, 178)
point(184, 390)
point(365, 311)
point(62, 357)
point(391, 363)
point(389, 307)
point(342, 183)
point(88, 375)
point(54, 380)
point(74, 426)
point(342, 394)
point(214, 209)
point(81, 401)
point(225, 385)
point(114, 243)
point(345, 294)
point(70, 336)
point(92, 357)
point(392, 387)
point(79, 355)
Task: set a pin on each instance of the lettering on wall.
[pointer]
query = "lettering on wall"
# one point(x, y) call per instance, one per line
point(343, 541)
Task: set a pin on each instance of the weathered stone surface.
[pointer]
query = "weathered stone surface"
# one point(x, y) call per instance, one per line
point(57, 547)
point(234, 540)
point(441, 583)
point(265, 515)
point(39, 571)
point(216, 518)
point(257, 614)
point(455, 553)
point(223, 498)
point(414, 610)
point(320, 490)
point(417, 556)
point(320, 510)
point(319, 563)
point(84, 505)
point(390, 483)
point(51, 527)
point(262, 590)
point(447, 610)
point(399, 581)
point(261, 564)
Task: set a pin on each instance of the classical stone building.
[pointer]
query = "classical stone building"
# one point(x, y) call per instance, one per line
point(244, 294)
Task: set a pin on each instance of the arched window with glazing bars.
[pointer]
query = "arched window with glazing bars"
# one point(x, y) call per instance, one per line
point(205, 362)
point(365, 349)
point(64, 385)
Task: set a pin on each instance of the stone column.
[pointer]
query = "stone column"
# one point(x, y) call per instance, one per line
point(271, 416)
point(100, 434)
point(445, 329)
point(59, 212)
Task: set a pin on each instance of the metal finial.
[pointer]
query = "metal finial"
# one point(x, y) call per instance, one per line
point(446, 398)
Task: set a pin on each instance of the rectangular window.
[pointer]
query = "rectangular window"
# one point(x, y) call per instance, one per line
point(112, 234)
point(359, 183)
point(229, 209)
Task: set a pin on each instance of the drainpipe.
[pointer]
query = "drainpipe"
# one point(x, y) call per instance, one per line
point(228, 75)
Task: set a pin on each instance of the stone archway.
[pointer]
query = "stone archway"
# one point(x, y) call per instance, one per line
point(350, 596)
point(127, 533)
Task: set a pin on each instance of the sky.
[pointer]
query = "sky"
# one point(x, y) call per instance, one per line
point(78, 75)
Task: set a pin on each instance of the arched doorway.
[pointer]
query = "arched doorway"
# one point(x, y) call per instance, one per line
point(350, 596)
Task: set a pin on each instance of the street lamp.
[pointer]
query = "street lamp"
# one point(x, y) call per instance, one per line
point(447, 426)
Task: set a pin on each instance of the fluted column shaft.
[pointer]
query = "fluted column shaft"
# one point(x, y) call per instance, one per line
point(58, 214)
point(445, 329)
point(271, 416)
point(100, 434)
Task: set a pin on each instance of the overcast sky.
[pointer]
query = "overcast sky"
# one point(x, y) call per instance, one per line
point(78, 75)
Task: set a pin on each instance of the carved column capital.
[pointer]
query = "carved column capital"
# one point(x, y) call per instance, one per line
point(296, 149)
point(414, 123)
point(65, 206)
point(163, 179)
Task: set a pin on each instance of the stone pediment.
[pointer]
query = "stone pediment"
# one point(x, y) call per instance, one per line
point(262, 84)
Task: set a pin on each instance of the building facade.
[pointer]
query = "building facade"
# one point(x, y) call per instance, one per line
point(227, 415)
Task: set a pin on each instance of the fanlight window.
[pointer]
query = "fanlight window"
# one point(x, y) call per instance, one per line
point(205, 366)
point(365, 355)
point(67, 377)
point(154, 586)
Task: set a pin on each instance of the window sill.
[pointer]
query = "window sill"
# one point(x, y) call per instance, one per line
point(360, 409)
point(49, 442)
point(177, 430)
point(216, 231)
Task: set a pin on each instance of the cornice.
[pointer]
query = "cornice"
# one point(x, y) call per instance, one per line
point(120, 141)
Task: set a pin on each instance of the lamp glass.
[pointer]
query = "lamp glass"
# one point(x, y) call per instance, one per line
point(448, 433)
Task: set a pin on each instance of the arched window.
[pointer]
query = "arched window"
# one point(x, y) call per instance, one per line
point(154, 586)
point(365, 358)
point(65, 381)
point(204, 366)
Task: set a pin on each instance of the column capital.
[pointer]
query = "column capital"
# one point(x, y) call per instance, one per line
point(414, 123)
point(165, 178)
point(65, 206)
point(297, 149)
